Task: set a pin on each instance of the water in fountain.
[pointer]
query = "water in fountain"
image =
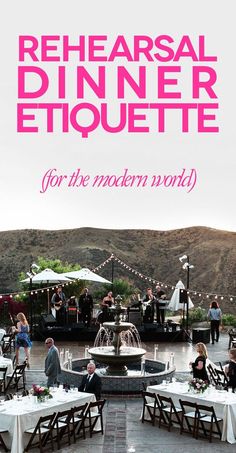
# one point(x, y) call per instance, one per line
point(128, 338)
point(118, 344)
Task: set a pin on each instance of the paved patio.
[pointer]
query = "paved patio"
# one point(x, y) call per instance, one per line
point(124, 431)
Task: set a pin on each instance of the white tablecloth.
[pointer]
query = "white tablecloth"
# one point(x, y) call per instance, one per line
point(18, 415)
point(223, 402)
point(6, 362)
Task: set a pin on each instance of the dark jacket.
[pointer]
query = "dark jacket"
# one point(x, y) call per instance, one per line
point(52, 363)
point(200, 374)
point(92, 386)
point(85, 303)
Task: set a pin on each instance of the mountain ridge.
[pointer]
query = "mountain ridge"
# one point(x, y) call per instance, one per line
point(152, 252)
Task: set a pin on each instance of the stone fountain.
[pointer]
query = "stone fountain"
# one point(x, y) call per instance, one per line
point(120, 348)
point(118, 355)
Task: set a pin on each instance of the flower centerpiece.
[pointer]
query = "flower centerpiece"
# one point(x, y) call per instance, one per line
point(41, 392)
point(197, 385)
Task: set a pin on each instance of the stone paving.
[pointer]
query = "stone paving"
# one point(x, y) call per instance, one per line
point(124, 432)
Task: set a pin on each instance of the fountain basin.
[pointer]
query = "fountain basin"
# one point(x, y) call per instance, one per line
point(115, 327)
point(131, 384)
point(107, 354)
point(116, 360)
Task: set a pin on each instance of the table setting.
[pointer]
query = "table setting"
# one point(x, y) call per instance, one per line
point(21, 413)
point(5, 362)
point(223, 401)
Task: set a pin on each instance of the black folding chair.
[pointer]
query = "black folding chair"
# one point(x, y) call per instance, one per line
point(15, 378)
point(3, 372)
point(61, 425)
point(172, 413)
point(188, 417)
point(151, 406)
point(2, 443)
point(25, 393)
point(232, 338)
point(9, 396)
point(212, 374)
point(207, 421)
point(77, 421)
point(7, 343)
point(93, 415)
point(222, 379)
point(41, 434)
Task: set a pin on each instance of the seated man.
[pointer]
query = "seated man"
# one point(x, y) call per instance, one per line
point(91, 382)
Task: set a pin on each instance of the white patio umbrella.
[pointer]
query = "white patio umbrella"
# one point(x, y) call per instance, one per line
point(175, 303)
point(47, 276)
point(86, 274)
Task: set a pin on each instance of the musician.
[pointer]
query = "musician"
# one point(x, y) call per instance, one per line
point(107, 302)
point(72, 309)
point(149, 301)
point(135, 301)
point(58, 306)
point(86, 307)
point(160, 305)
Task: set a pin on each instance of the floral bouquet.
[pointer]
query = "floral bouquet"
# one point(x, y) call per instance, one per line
point(41, 392)
point(198, 385)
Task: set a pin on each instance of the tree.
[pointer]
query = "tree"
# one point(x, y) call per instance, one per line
point(120, 286)
point(73, 289)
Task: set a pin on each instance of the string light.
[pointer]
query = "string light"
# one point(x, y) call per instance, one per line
point(130, 269)
point(155, 282)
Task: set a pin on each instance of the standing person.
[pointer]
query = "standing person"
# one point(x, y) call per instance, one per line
point(150, 300)
point(58, 306)
point(215, 315)
point(160, 305)
point(199, 366)
point(91, 382)
point(22, 338)
point(52, 362)
point(230, 369)
point(107, 302)
point(86, 307)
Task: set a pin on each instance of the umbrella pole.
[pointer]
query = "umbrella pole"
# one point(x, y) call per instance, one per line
point(48, 302)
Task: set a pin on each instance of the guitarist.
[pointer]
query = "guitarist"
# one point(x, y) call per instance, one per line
point(58, 305)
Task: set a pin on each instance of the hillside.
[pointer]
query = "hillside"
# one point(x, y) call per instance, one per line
point(154, 253)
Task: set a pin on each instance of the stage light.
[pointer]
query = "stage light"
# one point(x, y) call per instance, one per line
point(181, 258)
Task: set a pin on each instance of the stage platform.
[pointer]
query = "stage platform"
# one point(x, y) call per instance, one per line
point(79, 332)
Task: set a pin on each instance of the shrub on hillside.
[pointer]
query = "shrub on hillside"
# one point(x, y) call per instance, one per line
point(229, 320)
point(197, 315)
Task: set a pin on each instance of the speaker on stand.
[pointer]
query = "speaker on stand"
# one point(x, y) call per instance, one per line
point(48, 320)
point(183, 299)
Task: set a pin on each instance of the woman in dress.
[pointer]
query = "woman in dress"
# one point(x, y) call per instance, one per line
point(22, 338)
point(230, 369)
point(214, 315)
point(199, 366)
point(107, 302)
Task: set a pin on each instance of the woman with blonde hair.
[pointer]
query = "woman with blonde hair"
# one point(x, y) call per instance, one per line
point(22, 337)
point(199, 366)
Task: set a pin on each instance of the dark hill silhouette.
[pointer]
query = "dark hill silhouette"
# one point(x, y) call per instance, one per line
point(154, 253)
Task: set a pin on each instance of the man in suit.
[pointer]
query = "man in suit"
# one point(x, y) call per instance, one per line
point(160, 305)
point(86, 307)
point(52, 362)
point(91, 382)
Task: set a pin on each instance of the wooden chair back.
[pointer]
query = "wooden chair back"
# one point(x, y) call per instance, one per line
point(209, 419)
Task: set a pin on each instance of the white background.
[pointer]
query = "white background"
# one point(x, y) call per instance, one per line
point(26, 157)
